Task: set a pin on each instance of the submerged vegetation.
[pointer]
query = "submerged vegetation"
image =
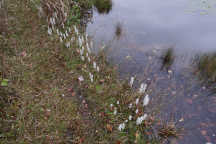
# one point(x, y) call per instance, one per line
point(55, 90)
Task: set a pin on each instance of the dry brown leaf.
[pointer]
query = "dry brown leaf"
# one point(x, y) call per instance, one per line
point(109, 127)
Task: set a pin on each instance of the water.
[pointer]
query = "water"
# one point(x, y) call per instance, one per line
point(159, 41)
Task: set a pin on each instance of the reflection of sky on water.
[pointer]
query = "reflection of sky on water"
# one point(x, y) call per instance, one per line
point(156, 22)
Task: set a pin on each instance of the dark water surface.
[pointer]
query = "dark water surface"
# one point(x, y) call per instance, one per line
point(159, 42)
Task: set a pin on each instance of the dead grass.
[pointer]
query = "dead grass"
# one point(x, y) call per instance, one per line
point(43, 104)
point(39, 76)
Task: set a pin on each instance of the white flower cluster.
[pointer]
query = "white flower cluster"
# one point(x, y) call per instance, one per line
point(121, 127)
point(66, 37)
point(143, 88)
point(141, 119)
point(137, 111)
point(131, 81)
point(84, 49)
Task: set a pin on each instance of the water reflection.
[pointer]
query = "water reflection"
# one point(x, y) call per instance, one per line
point(142, 49)
point(103, 6)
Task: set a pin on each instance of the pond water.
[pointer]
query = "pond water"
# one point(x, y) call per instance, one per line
point(169, 45)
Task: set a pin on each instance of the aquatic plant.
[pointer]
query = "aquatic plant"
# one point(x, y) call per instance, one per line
point(118, 30)
point(168, 59)
point(206, 66)
point(103, 6)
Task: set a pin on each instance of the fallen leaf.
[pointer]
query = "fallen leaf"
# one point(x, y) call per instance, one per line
point(109, 127)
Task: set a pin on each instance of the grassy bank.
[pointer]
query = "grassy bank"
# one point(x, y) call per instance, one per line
point(55, 90)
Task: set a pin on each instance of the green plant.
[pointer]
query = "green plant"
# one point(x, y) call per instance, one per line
point(4, 82)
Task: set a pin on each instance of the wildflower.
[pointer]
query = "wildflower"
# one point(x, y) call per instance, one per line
point(117, 102)
point(115, 111)
point(140, 119)
point(72, 38)
point(91, 77)
point(81, 78)
point(121, 127)
point(89, 59)
point(57, 31)
point(55, 15)
point(81, 51)
point(52, 21)
point(137, 110)
point(142, 88)
point(98, 69)
point(82, 58)
point(82, 38)
point(137, 101)
point(49, 31)
point(80, 41)
point(67, 44)
point(94, 65)
point(146, 100)
point(126, 121)
point(88, 48)
point(111, 105)
point(66, 33)
point(60, 39)
point(64, 36)
point(130, 118)
point(76, 30)
point(130, 105)
point(131, 81)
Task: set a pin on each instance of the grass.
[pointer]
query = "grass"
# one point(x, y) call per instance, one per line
point(207, 67)
point(44, 102)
